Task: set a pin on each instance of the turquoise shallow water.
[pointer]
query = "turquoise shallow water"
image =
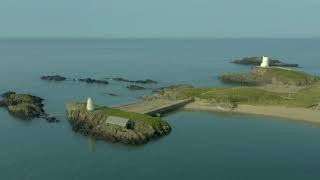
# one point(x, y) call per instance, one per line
point(201, 145)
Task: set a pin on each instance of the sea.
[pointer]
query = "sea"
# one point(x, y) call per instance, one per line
point(202, 145)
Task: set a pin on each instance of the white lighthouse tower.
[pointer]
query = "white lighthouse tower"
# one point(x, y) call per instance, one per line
point(90, 105)
point(265, 62)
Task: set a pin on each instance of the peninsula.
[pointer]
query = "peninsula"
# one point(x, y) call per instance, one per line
point(114, 125)
point(266, 90)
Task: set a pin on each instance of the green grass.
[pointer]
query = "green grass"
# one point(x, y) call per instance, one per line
point(27, 98)
point(246, 95)
point(153, 121)
point(290, 74)
point(306, 97)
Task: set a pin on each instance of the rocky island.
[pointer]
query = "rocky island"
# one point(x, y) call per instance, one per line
point(93, 81)
point(135, 87)
point(115, 125)
point(276, 76)
point(256, 61)
point(85, 80)
point(147, 81)
point(25, 106)
point(54, 78)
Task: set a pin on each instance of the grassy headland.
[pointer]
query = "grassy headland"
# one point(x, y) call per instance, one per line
point(93, 123)
point(306, 97)
point(305, 100)
point(277, 76)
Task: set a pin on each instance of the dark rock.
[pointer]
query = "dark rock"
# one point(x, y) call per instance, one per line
point(93, 81)
point(135, 87)
point(112, 94)
point(256, 61)
point(53, 78)
point(7, 94)
point(147, 81)
point(24, 106)
point(51, 119)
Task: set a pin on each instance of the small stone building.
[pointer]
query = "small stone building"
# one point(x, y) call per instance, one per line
point(120, 121)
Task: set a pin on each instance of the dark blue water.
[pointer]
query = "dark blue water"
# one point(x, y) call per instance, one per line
point(201, 145)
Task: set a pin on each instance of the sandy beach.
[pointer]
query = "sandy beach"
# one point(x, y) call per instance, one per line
point(299, 114)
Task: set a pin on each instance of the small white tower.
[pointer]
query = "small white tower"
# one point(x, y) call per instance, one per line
point(265, 62)
point(90, 106)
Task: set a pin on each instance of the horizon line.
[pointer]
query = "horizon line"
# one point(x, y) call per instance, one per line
point(143, 38)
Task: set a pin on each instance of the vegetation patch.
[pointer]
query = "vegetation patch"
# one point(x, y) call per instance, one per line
point(308, 96)
point(263, 76)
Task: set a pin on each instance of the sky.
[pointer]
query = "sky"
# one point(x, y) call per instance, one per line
point(160, 18)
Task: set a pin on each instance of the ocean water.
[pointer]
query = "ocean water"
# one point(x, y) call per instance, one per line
point(201, 146)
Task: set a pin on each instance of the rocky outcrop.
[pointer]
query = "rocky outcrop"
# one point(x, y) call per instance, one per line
point(135, 87)
point(53, 78)
point(172, 93)
point(94, 124)
point(93, 81)
point(25, 106)
point(112, 94)
point(86, 80)
point(147, 81)
point(256, 61)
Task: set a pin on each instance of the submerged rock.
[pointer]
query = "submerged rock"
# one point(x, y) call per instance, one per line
point(86, 80)
point(93, 81)
point(94, 123)
point(135, 87)
point(147, 81)
point(24, 106)
point(51, 119)
point(256, 61)
point(53, 78)
point(112, 94)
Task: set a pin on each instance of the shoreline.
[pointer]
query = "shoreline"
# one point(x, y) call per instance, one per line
point(297, 114)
